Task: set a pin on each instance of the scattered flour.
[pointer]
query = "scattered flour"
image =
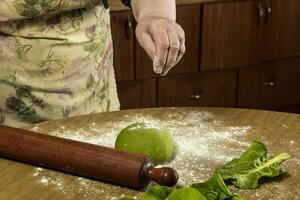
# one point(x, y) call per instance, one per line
point(201, 141)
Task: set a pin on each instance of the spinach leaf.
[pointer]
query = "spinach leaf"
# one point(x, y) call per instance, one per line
point(245, 172)
point(237, 198)
point(187, 193)
point(158, 193)
point(214, 188)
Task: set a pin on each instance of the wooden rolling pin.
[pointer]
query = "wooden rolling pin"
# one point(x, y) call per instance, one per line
point(83, 159)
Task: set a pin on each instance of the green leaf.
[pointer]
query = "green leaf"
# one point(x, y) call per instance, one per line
point(214, 188)
point(237, 198)
point(188, 193)
point(158, 193)
point(245, 172)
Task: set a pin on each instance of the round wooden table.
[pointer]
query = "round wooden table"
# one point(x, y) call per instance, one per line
point(206, 138)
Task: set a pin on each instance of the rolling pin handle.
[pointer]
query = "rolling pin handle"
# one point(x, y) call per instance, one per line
point(163, 176)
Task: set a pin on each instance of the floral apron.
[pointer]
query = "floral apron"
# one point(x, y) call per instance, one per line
point(55, 60)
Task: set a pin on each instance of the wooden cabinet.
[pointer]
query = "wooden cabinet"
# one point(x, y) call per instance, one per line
point(240, 53)
point(270, 86)
point(244, 33)
point(189, 18)
point(199, 89)
point(137, 94)
point(281, 29)
point(230, 35)
point(123, 44)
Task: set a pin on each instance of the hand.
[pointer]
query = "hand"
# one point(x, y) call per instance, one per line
point(163, 40)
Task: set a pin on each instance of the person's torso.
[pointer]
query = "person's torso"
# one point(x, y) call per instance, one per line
point(57, 66)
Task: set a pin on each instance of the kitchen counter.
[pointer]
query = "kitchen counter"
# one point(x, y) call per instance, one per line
point(116, 5)
point(206, 139)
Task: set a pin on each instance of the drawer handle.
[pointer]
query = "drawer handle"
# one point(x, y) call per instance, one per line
point(128, 27)
point(261, 12)
point(195, 96)
point(270, 83)
point(129, 21)
point(268, 9)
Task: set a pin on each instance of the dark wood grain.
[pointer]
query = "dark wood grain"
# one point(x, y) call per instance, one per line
point(137, 94)
point(298, 29)
point(189, 18)
point(290, 109)
point(88, 160)
point(123, 44)
point(270, 86)
point(230, 35)
point(280, 32)
point(215, 88)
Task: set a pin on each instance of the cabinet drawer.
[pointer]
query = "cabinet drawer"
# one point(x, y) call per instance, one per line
point(209, 88)
point(189, 18)
point(271, 85)
point(137, 94)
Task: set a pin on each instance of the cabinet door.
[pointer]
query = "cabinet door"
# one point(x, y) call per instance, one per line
point(280, 34)
point(137, 94)
point(189, 18)
point(123, 44)
point(270, 86)
point(210, 88)
point(230, 34)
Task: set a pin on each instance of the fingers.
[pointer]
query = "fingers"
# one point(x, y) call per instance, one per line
point(161, 41)
point(146, 41)
point(176, 47)
point(181, 36)
point(148, 45)
point(173, 51)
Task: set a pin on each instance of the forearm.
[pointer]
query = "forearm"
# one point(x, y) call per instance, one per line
point(154, 8)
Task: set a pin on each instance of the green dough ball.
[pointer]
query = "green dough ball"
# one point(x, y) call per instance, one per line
point(146, 139)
